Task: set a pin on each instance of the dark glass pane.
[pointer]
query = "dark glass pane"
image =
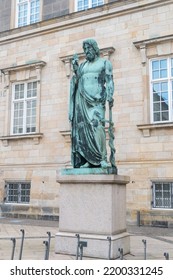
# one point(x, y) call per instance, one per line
point(165, 116)
point(156, 97)
point(156, 107)
point(164, 106)
point(156, 117)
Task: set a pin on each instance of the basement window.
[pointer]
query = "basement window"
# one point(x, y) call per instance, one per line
point(17, 192)
point(162, 193)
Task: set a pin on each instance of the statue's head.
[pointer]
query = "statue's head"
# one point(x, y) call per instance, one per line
point(91, 49)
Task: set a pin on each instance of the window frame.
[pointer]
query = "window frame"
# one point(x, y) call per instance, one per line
point(28, 13)
point(154, 202)
point(148, 49)
point(24, 100)
point(89, 5)
point(21, 73)
point(169, 80)
point(18, 195)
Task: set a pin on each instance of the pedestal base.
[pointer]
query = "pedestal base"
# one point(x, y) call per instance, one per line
point(98, 246)
point(93, 206)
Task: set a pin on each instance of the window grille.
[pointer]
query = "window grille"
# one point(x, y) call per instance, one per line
point(18, 192)
point(162, 195)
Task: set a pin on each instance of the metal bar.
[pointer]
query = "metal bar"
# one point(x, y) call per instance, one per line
point(138, 218)
point(82, 244)
point(13, 248)
point(46, 250)
point(78, 241)
point(121, 253)
point(166, 255)
point(21, 245)
point(109, 250)
point(49, 239)
point(145, 248)
point(81, 251)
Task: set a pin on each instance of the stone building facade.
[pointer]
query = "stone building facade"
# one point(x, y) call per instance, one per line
point(34, 86)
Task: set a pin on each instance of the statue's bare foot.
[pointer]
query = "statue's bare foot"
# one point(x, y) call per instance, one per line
point(86, 165)
point(104, 164)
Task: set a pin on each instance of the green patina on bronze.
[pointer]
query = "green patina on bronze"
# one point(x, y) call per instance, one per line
point(91, 86)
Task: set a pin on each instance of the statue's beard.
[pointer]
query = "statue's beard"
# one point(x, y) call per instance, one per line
point(90, 56)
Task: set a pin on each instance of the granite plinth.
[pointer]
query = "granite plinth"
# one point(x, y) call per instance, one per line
point(93, 206)
point(97, 245)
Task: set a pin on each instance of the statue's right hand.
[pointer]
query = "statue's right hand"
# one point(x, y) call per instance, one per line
point(75, 67)
point(75, 59)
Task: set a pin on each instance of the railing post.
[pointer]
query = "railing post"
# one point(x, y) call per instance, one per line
point(166, 255)
point(145, 248)
point(46, 250)
point(49, 239)
point(82, 244)
point(13, 248)
point(121, 253)
point(77, 251)
point(21, 245)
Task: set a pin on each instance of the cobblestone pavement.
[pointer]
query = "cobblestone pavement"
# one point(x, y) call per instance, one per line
point(158, 240)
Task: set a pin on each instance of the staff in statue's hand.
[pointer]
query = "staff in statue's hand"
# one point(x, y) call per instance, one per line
point(75, 63)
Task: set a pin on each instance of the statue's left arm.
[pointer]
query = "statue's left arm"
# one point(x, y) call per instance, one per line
point(109, 81)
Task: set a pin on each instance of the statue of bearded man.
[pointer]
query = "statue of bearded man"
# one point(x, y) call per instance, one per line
point(91, 86)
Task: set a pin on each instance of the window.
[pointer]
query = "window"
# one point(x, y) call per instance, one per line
point(28, 12)
point(18, 192)
point(22, 84)
point(86, 4)
point(162, 90)
point(163, 195)
point(24, 105)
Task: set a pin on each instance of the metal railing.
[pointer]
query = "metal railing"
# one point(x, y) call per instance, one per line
point(80, 247)
point(22, 241)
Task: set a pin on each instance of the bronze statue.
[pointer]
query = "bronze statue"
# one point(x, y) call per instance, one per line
point(91, 86)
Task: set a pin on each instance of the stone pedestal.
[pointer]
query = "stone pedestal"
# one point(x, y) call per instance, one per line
point(93, 206)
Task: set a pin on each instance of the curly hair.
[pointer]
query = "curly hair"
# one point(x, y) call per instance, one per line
point(94, 44)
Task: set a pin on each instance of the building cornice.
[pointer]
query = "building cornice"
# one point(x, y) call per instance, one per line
point(114, 9)
point(35, 137)
point(153, 41)
point(28, 65)
point(144, 44)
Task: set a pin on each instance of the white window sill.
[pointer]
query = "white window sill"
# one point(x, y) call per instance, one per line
point(146, 128)
point(17, 203)
point(162, 209)
point(34, 136)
